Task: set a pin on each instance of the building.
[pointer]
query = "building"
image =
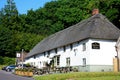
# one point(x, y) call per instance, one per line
point(88, 46)
point(117, 46)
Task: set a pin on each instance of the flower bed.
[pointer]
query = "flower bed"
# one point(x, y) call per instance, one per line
point(24, 72)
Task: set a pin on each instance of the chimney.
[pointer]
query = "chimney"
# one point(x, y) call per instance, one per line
point(95, 11)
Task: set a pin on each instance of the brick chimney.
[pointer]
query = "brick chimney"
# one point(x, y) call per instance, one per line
point(95, 11)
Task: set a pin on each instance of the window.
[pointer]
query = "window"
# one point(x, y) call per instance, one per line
point(34, 64)
point(56, 50)
point(75, 51)
point(64, 48)
point(48, 54)
point(84, 46)
point(44, 54)
point(56, 60)
point(68, 61)
point(44, 64)
point(71, 46)
point(95, 45)
point(84, 61)
point(34, 57)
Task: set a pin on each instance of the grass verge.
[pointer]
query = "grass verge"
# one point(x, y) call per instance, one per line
point(81, 76)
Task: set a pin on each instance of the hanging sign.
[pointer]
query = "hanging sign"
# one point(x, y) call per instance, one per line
point(18, 55)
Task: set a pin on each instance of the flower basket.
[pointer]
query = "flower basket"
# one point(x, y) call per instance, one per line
point(24, 72)
point(30, 74)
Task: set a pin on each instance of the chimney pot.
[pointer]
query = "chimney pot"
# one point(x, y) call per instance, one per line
point(95, 11)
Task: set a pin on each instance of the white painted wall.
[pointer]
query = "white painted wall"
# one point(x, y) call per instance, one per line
point(102, 56)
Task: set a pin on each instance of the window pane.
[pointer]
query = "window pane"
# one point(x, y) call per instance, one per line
point(84, 61)
point(84, 46)
point(68, 61)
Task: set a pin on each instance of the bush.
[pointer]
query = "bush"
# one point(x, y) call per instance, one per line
point(6, 60)
point(1, 61)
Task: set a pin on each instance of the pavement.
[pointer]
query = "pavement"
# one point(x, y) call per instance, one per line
point(10, 76)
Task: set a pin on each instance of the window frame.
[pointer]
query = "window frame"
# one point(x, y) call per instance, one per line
point(84, 62)
point(68, 61)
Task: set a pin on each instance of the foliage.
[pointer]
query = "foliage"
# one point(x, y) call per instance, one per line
point(24, 31)
point(1, 66)
point(6, 60)
point(81, 76)
point(25, 40)
point(5, 42)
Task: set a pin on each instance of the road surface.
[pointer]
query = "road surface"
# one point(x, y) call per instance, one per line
point(9, 76)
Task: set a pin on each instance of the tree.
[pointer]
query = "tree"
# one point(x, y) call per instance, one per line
point(9, 15)
point(6, 42)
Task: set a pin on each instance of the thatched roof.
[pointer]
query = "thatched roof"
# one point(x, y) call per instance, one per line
point(118, 43)
point(97, 26)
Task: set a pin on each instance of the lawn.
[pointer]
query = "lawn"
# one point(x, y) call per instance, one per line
point(81, 76)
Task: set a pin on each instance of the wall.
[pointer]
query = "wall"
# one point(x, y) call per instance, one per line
point(95, 59)
point(102, 59)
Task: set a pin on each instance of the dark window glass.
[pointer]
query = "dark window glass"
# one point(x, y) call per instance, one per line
point(71, 46)
point(64, 48)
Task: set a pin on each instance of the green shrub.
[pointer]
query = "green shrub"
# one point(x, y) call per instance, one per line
point(1, 66)
point(6, 60)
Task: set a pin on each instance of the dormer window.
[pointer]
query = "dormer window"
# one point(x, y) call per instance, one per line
point(64, 48)
point(34, 57)
point(71, 46)
point(44, 54)
point(48, 54)
point(56, 50)
point(95, 45)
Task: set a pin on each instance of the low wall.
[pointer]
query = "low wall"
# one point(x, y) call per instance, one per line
point(95, 68)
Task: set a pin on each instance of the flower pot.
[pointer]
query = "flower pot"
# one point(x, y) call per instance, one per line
point(30, 74)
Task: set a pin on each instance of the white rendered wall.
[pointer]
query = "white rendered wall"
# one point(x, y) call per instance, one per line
point(104, 55)
point(76, 54)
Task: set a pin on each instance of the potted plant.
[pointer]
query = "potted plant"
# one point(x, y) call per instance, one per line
point(30, 72)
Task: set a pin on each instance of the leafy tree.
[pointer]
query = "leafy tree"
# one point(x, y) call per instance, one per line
point(9, 15)
point(25, 41)
point(6, 42)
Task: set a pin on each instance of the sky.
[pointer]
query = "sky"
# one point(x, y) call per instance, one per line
point(24, 5)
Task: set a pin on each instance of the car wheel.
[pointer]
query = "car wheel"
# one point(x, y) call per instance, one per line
point(8, 70)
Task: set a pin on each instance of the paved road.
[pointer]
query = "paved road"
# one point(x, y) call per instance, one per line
point(9, 76)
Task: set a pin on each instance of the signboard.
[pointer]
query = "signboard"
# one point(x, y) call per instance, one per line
point(18, 55)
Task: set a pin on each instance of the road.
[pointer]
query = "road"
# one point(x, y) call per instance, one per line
point(9, 76)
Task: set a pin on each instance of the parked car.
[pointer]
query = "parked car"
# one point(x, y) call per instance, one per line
point(24, 66)
point(4, 68)
point(10, 68)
